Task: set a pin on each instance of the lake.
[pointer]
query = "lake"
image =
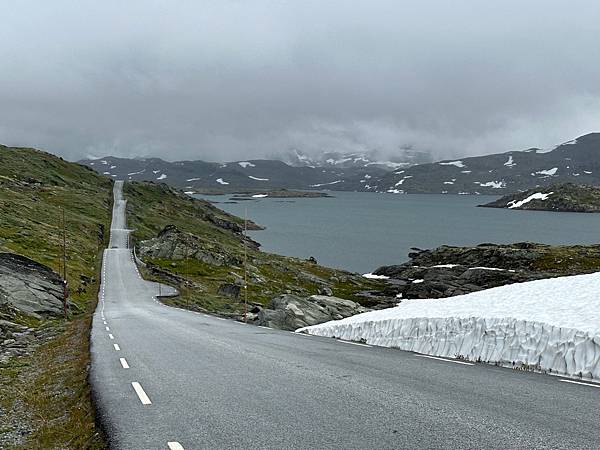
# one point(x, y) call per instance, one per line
point(360, 231)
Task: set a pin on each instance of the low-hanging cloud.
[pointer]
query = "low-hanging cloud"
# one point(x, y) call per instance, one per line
point(224, 80)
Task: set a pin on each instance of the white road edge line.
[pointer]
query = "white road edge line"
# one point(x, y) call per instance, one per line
point(124, 363)
point(579, 382)
point(175, 446)
point(110, 336)
point(446, 360)
point(116, 346)
point(140, 393)
point(353, 343)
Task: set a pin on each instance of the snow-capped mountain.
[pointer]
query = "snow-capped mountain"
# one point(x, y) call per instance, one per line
point(576, 161)
point(202, 176)
point(404, 158)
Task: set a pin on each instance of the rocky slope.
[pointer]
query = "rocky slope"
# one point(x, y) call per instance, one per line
point(231, 177)
point(563, 197)
point(44, 397)
point(576, 161)
point(448, 271)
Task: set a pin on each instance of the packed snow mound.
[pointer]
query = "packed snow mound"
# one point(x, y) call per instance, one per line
point(551, 324)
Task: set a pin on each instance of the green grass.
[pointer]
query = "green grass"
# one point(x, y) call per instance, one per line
point(151, 207)
point(50, 386)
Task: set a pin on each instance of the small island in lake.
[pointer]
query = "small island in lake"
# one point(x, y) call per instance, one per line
point(562, 197)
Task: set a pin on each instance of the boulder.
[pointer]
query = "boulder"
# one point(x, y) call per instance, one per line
point(29, 287)
point(290, 312)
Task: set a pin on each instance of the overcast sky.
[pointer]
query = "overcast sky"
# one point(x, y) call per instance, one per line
point(224, 80)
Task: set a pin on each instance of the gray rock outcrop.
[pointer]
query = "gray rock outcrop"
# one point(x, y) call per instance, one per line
point(172, 243)
point(290, 312)
point(29, 287)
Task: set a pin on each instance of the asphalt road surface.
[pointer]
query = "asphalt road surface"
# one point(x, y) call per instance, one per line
point(165, 378)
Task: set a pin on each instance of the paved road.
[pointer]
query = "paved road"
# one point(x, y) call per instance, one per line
point(165, 378)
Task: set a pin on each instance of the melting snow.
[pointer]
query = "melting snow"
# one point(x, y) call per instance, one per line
point(549, 324)
point(493, 184)
point(510, 162)
point(113, 167)
point(403, 179)
point(220, 181)
point(417, 281)
point(259, 196)
point(465, 171)
point(548, 172)
point(155, 171)
point(193, 179)
point(258, 179)
point(326, 184)
point(372, 276)
point(452, 163)
point(585, 171)
point(536, 196)
point(162, 177)
point(448, 182)
point(189, 192)
point(137, 173)
point(245, 164)
point(394, 191)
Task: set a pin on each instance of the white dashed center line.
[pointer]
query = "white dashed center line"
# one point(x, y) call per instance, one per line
point(124, 363)
point(107, 329)
point(110, 336)
point(583, 384)
point(175, 446)
point(116, 346)
point(140, 393)
point(447, 360)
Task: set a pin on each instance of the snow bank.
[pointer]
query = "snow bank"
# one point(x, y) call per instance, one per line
point(551, 324)
point(536, 196)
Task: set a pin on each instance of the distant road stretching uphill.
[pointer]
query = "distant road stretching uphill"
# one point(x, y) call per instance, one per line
point(165, 378)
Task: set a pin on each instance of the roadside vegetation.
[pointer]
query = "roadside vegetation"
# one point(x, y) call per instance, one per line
point(203, 228)
point(44, 397)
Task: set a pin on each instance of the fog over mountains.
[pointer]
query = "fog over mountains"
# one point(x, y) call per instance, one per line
point(576, 161)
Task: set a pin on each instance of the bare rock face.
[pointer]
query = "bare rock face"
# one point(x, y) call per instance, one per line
point(29, 287)
point(172, 243)
point(290, 312)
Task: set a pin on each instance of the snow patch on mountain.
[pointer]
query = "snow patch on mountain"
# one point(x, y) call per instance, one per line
point(453, 163)
point(162, 177)
point(245, 164)
point(536, 196)
point(257, 179)
point(327, 184)
point(549, 172)
point(220, 181)
point(493, 184)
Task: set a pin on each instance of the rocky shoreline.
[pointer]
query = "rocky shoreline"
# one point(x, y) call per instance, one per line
point(447, 271)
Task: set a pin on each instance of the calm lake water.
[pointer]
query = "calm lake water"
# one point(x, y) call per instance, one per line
point(362, 231)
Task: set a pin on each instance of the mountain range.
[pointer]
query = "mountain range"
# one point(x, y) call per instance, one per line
point(576, 161)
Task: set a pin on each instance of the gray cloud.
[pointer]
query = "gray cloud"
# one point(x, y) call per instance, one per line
point(238, 79)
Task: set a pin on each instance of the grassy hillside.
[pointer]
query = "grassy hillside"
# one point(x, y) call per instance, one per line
point(151, 207)
point(47, 390)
